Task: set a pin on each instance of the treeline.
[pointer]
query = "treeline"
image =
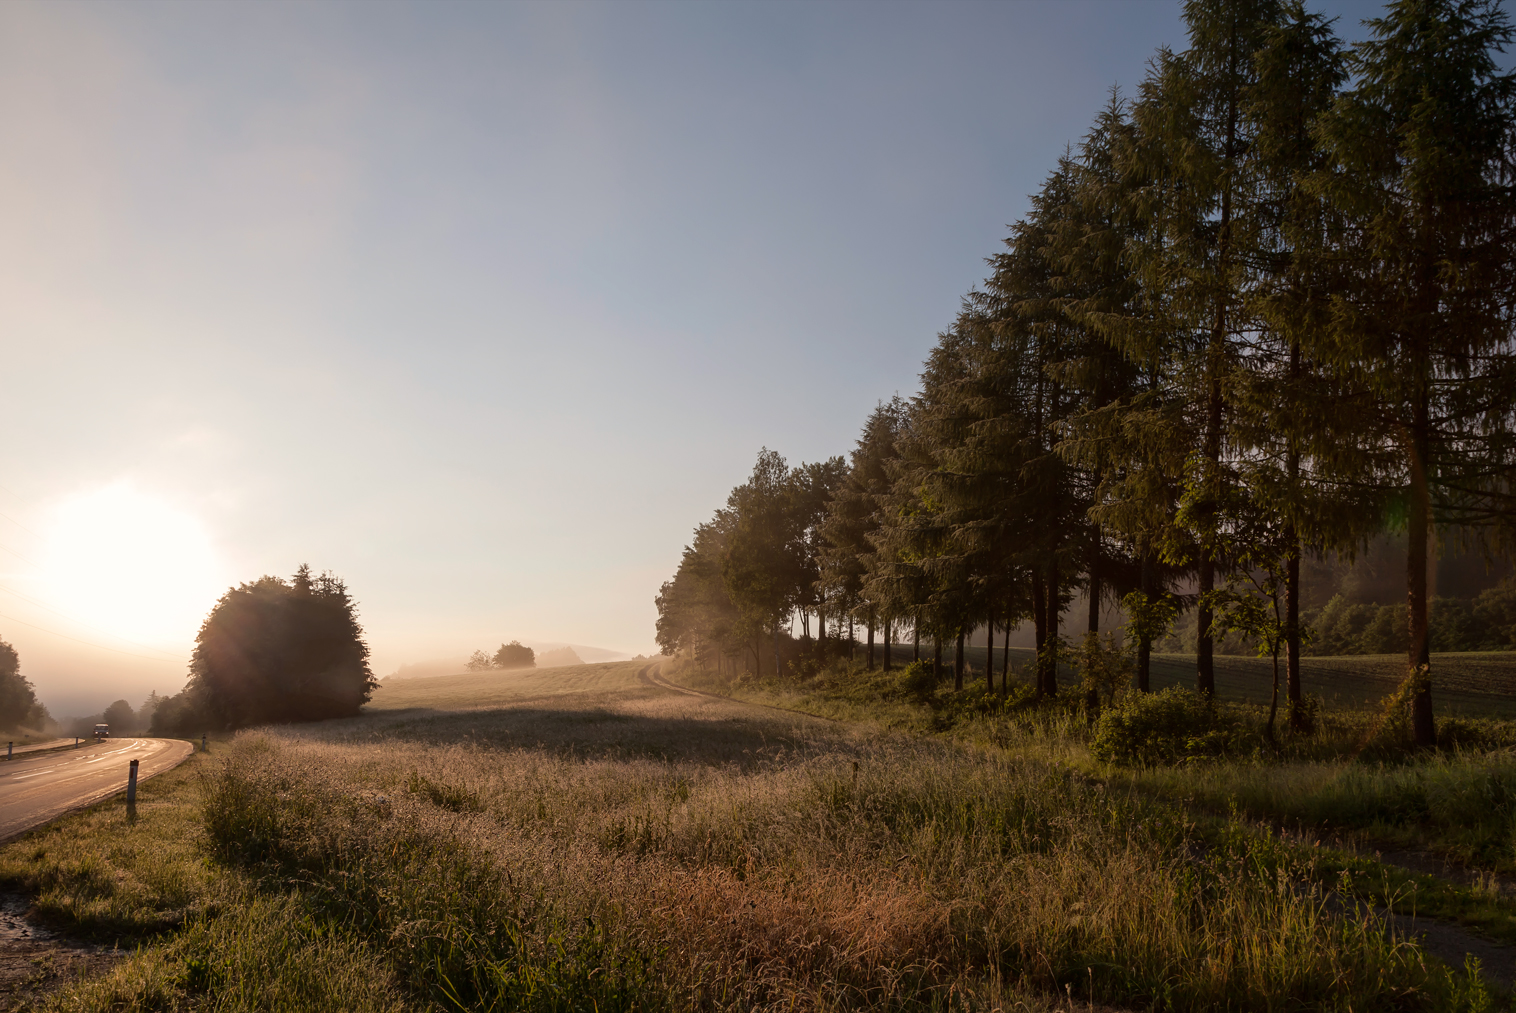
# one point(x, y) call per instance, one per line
point(1263, 310)
point(1485, 622)
point(19, 707)
point(511, 655)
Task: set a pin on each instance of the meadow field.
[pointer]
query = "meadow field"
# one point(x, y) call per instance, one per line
point(1469, 684)
point(637, 836)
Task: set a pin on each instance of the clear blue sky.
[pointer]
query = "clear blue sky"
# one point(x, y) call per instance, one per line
point(481, 306)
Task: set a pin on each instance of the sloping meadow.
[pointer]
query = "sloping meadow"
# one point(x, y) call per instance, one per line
point(818, 872)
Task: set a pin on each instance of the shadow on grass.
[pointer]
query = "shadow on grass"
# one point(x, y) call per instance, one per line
point(598, 732)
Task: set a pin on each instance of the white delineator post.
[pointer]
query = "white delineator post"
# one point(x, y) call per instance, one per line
point(131, 784)
point(10, 748)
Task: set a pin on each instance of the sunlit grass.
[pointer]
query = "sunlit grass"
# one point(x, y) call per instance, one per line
point(625, 847)
point(483, 690)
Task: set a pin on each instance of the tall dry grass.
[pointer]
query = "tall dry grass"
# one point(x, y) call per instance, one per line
point(829, 875)
point(626, 848)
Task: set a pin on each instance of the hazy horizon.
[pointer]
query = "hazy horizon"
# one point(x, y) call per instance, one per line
point(480, 307)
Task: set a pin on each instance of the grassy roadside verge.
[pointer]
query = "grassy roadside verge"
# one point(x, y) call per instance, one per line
point(192, 927)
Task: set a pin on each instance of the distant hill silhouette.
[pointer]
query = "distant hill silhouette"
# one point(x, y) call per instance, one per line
point(558, 658)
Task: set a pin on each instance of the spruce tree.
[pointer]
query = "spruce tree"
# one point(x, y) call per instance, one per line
point(851, 516)
point(1192, 148)
point(1422, 269)
point(1290, 412)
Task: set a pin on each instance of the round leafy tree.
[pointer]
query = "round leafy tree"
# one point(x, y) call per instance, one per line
point(275, 651)
point(18, 703)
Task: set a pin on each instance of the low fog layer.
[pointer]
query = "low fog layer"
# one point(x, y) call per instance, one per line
point(549, 655)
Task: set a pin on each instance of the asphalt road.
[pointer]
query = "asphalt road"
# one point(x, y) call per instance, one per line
point(37, 747)
point(36, 789)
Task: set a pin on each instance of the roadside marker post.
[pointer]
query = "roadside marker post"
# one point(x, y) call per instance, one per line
point(10, 748)
point(131, 786)
point(203, 747)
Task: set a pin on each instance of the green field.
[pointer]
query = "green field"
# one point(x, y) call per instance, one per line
point(1465, 685)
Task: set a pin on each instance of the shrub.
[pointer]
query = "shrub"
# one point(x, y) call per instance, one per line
point(1105, 666)
point(917, 681)
point(1165, 727)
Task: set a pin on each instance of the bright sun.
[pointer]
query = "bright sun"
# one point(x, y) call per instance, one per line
point(129, 564)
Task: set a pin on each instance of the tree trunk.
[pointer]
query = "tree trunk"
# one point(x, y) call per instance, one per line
point(1205, 663)
point(958, 664)
point(1039, 626)
point(1145, 644)
point(1051, 666)
point(989, 655)
point(1005, 662)
point(871, 639)
point(1292, 578)
point(852, 638)
point(1274, 699)
point(936, 657)
point(1419, 530)
point(915, 642)
point(1091, 692)
point(1292, 632)
point(888, 629)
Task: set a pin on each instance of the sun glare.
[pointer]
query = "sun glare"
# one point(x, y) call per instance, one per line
point(129, 564)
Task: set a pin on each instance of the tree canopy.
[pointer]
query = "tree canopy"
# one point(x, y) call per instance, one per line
point(1262, 311)
point(514, 655)
point(274, 651)
point(19, 707)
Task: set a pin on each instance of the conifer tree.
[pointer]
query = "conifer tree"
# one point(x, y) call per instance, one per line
point(1289, 410)
point(1087, 246)
point(695, 613)
point(1422, 271)
point(851, 517)
point(944, 541)
point(764, 568)
point(1192, 149)
point(274, 651)
point(1130, 402)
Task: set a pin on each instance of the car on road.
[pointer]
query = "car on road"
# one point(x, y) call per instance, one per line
point(102, 731)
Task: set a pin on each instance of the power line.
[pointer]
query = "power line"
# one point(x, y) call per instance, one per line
point(76, 640)
point(30, 562)
point(73, 619)
point(13, 520)
point(23, 527)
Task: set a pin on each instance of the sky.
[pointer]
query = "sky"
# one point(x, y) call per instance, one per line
point(482, 307)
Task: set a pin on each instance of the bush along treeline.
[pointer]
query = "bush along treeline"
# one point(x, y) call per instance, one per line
point(1262, 311)
point(273, 651)
point(511, 655)
point(1485, 622)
